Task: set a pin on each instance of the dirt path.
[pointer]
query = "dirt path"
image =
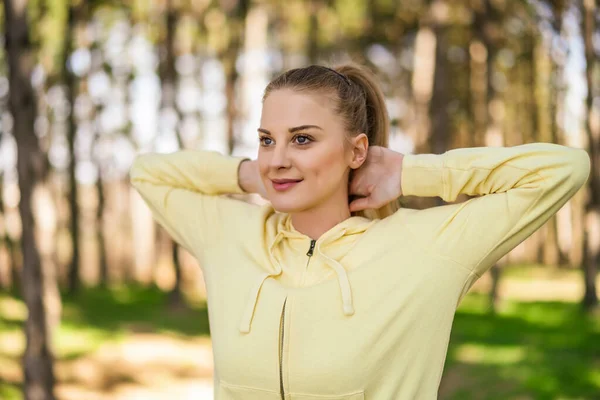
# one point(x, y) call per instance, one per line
point(145, 366)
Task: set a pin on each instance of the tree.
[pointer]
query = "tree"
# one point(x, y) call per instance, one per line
point(37, 360)
point(236, 12)
point(3, 284)
point(591, 254)
point(74, 17)
point(168, 76)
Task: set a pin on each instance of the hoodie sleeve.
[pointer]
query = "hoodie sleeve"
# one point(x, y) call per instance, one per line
point(183, 191)
point(519, 189)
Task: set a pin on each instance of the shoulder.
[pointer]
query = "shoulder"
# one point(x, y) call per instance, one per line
point(420, 227)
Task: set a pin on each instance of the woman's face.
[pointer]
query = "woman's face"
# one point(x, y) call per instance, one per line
point(303, 157)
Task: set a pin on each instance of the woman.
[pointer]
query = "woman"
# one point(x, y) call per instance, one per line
point(331, 292)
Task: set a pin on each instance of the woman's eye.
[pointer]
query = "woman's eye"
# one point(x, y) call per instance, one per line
point(265, 141)
point(300, 139)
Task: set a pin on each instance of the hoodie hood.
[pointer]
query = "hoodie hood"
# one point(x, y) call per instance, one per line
point(328, 247)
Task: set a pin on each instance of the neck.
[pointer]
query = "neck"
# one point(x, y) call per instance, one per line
point(315, 222)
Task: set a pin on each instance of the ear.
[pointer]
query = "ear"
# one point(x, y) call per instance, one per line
point(359, 149)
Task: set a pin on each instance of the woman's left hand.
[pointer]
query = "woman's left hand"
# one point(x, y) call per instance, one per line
point(377, 181)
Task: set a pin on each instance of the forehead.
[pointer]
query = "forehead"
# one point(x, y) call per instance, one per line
point(287, 108)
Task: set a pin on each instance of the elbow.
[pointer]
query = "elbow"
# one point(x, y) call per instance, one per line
point(567, 168)
point(580, 167)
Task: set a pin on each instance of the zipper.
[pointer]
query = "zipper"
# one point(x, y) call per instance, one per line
point(310, 253)
point(281, 338)
point(312, 247)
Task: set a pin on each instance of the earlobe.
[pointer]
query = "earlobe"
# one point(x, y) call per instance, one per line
point(359, 159)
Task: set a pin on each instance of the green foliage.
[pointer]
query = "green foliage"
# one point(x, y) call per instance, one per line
point(9, 391)
point(116, 310)
point(351, 14)
point(48, 27)
point(541, 350)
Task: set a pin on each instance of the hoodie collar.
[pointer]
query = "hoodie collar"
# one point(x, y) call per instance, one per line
point(285, 230)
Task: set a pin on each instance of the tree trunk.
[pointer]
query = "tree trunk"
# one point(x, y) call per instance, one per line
point(5, 280)
point(236, 12)
point(71, 83)
point(168, 74)
point(480, 50)
point(104, 278)
point(591, 250)
point(438, 107)
point(422, 85)
point(230, 90)
point(176, 295)
point(550, 250)
point(37, 359)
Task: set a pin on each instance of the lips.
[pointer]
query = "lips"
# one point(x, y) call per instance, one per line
point(284, 184)
point(285, 180)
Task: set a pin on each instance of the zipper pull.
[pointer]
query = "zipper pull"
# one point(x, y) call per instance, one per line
point(312, 248)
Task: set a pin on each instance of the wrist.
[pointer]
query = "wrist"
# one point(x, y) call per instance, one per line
point(395, 169)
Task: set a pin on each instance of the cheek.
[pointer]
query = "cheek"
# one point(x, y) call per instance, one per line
point(327, 165)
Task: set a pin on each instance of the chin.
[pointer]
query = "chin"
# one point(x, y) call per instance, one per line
point(287, 205)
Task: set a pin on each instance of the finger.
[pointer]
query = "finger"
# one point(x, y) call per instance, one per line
point(355, 187)
point(360, 204)
point(362, 189)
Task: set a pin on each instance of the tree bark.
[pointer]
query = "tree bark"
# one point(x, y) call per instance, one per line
point(236, 11)
point(438, 107)
point(71, 83)
point(37, 359)
point(104, 278)
point(168, 74)
point(481, 66)
point(591, 250)
point(5, 280)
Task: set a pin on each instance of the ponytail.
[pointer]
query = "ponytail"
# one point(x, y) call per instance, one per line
point(377, 122)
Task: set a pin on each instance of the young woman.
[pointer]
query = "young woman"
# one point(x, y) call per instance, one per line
point(331, 291)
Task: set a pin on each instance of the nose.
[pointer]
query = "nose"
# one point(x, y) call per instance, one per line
point(280, 158)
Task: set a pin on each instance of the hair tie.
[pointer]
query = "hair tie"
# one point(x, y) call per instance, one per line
point(344, 77)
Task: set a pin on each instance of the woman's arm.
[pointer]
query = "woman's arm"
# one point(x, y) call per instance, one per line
point(183, 191)
point(521, 187)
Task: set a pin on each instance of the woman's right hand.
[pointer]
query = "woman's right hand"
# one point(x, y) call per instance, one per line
point(249, 178)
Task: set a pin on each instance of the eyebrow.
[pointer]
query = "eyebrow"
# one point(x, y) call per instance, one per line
point(294, 129)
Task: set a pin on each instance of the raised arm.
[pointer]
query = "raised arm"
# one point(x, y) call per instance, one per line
point(521, 187)
point(183, 191)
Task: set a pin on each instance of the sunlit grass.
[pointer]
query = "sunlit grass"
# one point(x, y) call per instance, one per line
point(534, 350)
point(484, 354)
point(9, 392)
point(539, 271)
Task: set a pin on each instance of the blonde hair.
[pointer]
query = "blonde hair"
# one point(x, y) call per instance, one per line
point(358, 99)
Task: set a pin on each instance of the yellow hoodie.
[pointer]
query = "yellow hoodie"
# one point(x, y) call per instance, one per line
point(365, 311)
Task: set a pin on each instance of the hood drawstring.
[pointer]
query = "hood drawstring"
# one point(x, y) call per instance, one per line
point(343, 280)
point(254, 291)
point(287, 230)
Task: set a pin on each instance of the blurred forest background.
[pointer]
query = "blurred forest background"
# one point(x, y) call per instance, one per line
point(95, 300)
